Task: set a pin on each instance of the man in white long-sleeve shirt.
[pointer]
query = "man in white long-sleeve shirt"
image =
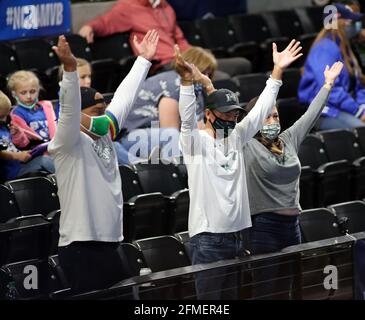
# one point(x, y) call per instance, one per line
point(219, 207)
point(89, 185)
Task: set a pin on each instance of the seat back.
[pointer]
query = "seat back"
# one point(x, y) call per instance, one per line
point(163, 253)
point(34, 195)
point(318, 224)
point(9, 208)
point(354, 211)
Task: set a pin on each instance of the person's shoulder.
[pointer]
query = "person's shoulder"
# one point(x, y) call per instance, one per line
point(19, 111)
point(326, 44)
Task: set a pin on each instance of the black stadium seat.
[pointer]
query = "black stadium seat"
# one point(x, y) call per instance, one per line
point(8, 58)
point(79, 46)
point(251, 85)
point(354, 211)
point(130, 182)
point(34, 195)
point(163, 253)
point(135, 258)
point(179, 211)
point(318, 224)
point(9, 208)
point(191, 33)
point(332, 179)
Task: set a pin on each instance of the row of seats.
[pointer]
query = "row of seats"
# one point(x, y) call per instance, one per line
point(154, 254)
point(333, 167)
point(111, 59)
point(251, 35)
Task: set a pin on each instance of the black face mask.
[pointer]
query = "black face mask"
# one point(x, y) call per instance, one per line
point(219, 124)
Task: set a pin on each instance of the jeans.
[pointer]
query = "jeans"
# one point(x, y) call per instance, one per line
point(41, 163)
point(272, 232)
point(139, 143)
point(344, 120)
point(93, 265)
point(208, 247)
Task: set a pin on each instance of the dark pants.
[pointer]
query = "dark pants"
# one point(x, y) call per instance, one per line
point(208, 247)
point(272, 232)
point(92, 265)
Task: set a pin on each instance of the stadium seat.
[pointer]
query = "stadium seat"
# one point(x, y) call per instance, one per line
point(191, 33)
point(58, 280)
point(160, 177)
point(305, 20)
point(315, 14)
point(306, 187)
point(9, 208)
point(34, 195)
point(178, 211)
point(184, 238)
point(354, 211)
point(145, 216)
point(220, 37)
point(350, 150)
point(35, 54)
point(105, 75)
point(24, 238)
point(8, 58)
point(290, 110)
point(16, 274)
point(318, 224)
point(54, 218)
point(251, 85)
point(130, 182)
point(163, 253)
point(332, 179)
point(79, 46)
point(287, 23)
point(229, 84)
point(135, 258)
point(291, 79)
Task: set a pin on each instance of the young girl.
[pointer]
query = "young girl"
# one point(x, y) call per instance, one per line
point(36, 118)
point(83, 69)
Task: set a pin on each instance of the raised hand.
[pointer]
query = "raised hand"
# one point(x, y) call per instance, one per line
point(147, 47)
point(87, 33)
point(330, 74)
point(65, 55)
point(284, 58)
point(183, 68)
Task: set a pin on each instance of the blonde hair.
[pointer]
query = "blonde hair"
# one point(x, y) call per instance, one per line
point(4, 101)
point(202, 58)
point(345, 46)
point(22, 76)
point(80, 63)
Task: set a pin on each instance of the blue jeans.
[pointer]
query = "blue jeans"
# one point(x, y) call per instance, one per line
point(139, 143)
point(41, 163)
point(272, 232)
point(344, 120)
point(208, 247)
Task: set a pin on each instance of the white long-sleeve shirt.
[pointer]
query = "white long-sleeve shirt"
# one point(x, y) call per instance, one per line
point(217, 180)
point(89, 184)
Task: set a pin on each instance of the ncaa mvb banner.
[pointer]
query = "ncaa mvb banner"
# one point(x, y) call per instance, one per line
point(32, 18)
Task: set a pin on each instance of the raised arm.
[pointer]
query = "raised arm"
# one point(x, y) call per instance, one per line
point(189, 136)
point(298, 131)
point(126, 93)
point(68, 128)
point(253, 122)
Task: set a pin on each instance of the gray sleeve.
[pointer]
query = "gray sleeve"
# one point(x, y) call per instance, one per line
point(299, 130)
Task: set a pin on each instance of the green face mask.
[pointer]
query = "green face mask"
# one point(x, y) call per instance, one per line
point(99, 126)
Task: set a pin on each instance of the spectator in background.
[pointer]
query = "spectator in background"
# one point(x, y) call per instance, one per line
point(346, 104)
point(138, 16)
point(36, 118)
point(84, 71)
point(13, 162)
point(88, 179)
point(157, 104)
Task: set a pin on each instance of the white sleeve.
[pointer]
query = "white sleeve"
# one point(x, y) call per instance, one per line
point(253, 122)
point(189, 137)
point(124, 96)
point(68, 127)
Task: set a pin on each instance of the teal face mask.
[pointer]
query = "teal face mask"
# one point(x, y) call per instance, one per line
point(271, 131)
point(30, 107)
point(99, 126)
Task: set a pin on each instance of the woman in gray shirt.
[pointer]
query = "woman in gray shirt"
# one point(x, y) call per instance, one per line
point(273, 173)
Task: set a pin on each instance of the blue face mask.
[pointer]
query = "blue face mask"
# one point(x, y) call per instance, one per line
point(29, 107)
point(353, 29)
